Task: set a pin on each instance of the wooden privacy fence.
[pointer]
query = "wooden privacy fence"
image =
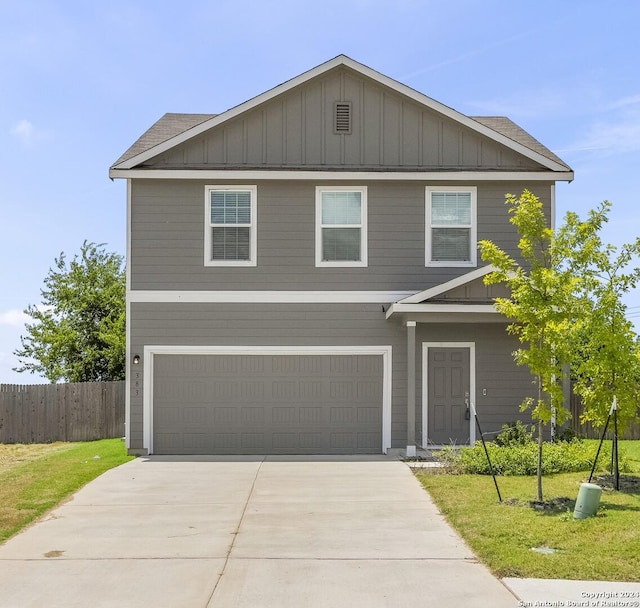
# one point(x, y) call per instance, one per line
point(44, 413)
point(586, 430)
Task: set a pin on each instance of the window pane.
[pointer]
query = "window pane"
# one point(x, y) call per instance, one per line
point(451, 208)
point(230, 243)
point(341, 244)
point(341, 208)
point(451, 244)
point(230, 207)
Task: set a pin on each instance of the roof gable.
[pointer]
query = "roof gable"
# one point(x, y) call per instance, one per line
point(413, 130)
point(468, 288)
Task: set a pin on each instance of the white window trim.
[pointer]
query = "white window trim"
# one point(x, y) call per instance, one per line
point(363, 261)
point(253, 236)
point(473, 190)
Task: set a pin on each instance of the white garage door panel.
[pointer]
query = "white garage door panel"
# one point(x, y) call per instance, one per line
point(267, 404)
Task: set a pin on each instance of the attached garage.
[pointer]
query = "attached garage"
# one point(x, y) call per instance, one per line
point(239, 400)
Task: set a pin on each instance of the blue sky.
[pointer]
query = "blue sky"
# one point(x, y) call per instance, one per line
point(81, 81)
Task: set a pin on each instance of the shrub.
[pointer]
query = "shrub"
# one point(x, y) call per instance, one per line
point(522, 459)
point(567, 434)
point(514, 433)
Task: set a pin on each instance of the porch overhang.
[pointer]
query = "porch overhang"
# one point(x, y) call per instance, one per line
point(445, 313)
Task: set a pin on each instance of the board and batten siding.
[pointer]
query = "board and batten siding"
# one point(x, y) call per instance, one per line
point(388, 130)
point(167, 247)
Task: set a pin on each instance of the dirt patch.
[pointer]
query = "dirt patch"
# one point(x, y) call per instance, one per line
point(56, 553)
point(628, 483)
point(548, 507)
point(14, 454)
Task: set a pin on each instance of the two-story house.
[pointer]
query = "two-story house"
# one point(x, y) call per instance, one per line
point(303, 274)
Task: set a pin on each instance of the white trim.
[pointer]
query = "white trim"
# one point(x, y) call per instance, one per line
point(128, 374)
point(363, 261)
point(463, 279)
point(464, 309)
point(425, 384)
point(351, 176)
point(473, 227)
point(253, 227)
point(269, 297)
point(553, 206)
point(362, 69)
point(150, 351)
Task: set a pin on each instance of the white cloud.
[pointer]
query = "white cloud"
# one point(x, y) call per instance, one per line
point(14, 318)
point(616, 131)
point(624, 102)
point(27, 134)
point(24, 131)
point(525, 104)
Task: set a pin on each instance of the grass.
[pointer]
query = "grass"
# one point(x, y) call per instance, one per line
point(502, 535)
point(36, 478)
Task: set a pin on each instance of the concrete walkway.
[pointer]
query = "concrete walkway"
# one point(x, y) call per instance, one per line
point(247, 532)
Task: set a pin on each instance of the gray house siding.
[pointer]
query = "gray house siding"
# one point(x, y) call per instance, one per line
point(167, 252)
point(286, 142)
point(506, 384)
point(333, 325)
point(269, 325)
point(388, 130)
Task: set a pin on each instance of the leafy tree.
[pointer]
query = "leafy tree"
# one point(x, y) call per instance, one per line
point(78, 331)
point(606, 361)
point(542, 307)
point(566, 306)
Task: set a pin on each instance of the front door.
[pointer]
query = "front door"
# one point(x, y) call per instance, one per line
point(448, 395)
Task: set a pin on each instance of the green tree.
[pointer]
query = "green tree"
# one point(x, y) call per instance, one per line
point(78, 331)
point(606, 358)
point(542, 307)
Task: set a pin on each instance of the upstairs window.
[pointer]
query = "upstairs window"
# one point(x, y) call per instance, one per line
point(451, 226)
point(341, 226)
point(230, 226)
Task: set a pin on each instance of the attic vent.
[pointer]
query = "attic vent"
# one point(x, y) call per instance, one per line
point(343, 117)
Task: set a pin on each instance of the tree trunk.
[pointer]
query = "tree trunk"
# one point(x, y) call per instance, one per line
point(539, 443)
point(540, 460)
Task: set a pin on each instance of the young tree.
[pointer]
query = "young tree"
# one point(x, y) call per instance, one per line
point(78, 331)
point(606, 361)
point(542, 307)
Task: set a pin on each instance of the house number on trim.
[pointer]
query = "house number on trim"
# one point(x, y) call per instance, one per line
point(136, 383)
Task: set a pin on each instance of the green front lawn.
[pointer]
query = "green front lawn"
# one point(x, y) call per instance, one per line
point(605, 547)
point(36, 478)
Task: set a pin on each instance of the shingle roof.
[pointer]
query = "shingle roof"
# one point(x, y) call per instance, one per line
point(510, 129)
point(164, 129)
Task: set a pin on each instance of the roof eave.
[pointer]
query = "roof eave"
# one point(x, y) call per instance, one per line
point(349, 174)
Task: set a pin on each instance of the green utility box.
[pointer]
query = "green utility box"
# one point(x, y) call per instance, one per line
point(587, 501)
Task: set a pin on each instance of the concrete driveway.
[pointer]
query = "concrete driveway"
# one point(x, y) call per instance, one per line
point(235, 532)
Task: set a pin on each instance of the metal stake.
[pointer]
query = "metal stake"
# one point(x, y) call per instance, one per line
point(484, 445)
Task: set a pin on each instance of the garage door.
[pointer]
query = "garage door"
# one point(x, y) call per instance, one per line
point(267, 404)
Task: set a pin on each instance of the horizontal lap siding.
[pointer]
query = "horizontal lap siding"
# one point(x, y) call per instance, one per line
point(269, 325)
point(507, 384)
point(336, 325)
point(167, 249)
